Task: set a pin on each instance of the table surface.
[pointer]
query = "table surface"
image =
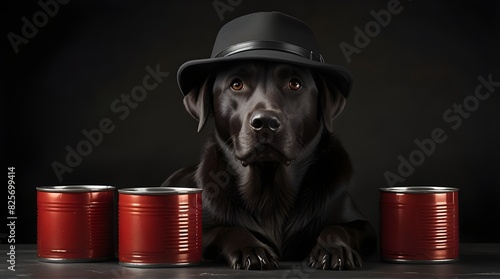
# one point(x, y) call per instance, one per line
point(476, 261)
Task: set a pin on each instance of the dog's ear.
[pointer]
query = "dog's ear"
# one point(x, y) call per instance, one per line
point(198, 102)
point(331, 102)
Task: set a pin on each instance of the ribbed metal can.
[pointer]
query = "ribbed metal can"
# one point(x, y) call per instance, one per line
point(419, 224)
point(159, 226)
point(75, 223)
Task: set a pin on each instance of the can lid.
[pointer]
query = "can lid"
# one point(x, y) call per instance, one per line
point(419, 189)
point(159, 190)
point(75, 188)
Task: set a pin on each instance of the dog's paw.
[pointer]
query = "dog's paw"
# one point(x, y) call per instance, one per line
point(332, 252)
point(252, 258)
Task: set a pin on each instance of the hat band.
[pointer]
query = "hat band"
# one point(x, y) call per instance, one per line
point(270, 45)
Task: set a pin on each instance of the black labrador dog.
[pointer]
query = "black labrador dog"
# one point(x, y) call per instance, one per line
point(274, 177)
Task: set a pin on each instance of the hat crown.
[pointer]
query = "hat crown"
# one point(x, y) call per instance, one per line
point(265, 26)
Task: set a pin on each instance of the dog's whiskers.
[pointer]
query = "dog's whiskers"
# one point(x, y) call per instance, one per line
point(226, 144)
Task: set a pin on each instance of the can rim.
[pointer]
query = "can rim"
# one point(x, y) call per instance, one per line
point(75, 188)
point(419, 189)
point(157, 265)
point(159, 190)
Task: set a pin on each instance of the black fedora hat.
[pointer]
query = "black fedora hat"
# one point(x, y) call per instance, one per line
point(270, 36)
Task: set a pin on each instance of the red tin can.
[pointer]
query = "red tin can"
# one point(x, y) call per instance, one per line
point(75, 223)
point(159, 226)
point(419, 224)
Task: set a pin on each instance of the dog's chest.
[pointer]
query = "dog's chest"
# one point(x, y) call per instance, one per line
point(290, 229)
point(269, 200)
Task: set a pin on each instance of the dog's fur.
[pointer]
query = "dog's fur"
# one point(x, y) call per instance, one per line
point(277, 190)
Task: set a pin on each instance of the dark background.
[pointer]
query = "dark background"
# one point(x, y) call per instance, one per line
point(427, 58)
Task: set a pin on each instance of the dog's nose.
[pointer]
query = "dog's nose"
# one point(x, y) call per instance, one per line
point(265, 119)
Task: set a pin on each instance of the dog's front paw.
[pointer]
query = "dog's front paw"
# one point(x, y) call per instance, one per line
point(332, 252)
point(252, 258)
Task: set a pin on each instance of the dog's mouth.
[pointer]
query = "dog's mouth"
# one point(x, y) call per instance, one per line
point(263, 153)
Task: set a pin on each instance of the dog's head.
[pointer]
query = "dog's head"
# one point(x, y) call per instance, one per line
point(266, 111)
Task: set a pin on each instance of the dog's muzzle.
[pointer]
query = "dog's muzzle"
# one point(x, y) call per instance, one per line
point(266, 126)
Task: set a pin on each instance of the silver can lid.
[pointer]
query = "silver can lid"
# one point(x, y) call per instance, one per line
point(159, 190)
point(75, 188)
point(420, 189)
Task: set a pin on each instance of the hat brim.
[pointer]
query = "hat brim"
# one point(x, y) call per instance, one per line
point(193, 73)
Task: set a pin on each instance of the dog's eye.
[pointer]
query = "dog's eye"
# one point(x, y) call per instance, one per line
point(294, 84)
point(237, 84)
